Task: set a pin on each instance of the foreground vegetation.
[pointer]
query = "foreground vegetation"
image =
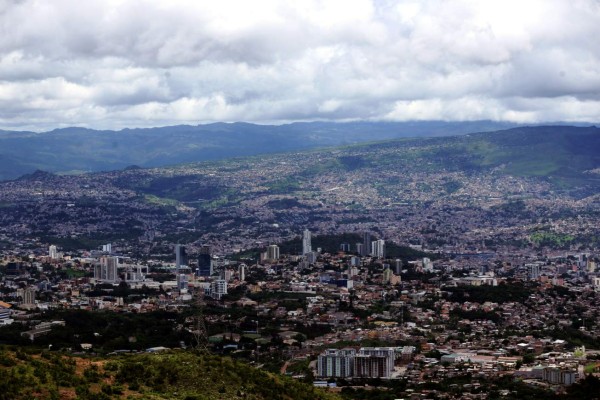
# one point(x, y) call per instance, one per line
point(169, 375)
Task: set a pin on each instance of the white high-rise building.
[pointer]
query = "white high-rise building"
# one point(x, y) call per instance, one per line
point(306, 242)
point(53, 252)
point(242, 272)
point(338, 363)
point(378, 248)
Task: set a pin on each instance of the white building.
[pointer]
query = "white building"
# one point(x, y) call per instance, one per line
point(306, 242)
point(378, 248)
point(218, 288)
point(336, 363)
point(53, 252)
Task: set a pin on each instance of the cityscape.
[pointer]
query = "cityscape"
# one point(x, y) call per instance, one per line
point(312, 200)
point(488, 289)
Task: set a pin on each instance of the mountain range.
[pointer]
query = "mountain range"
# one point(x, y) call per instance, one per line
point(76, 150)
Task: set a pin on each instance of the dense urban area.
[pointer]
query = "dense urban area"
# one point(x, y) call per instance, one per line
point(408, 269)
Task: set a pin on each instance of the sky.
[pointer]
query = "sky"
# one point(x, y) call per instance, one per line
point(111, 64)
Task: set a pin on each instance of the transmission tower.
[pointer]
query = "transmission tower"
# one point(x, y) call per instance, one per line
point(199, 326)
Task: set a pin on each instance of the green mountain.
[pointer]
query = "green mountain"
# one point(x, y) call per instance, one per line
point(76, 150)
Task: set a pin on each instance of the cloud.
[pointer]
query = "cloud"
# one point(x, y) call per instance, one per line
point(129, 63)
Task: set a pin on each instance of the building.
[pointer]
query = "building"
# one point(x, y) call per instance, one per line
point(559, 376)
point(273, 252)
point(597, 284)
point(28, 296)
point(242, 272)
point(427, 265)
point(106, 271)
point(398, 266)
point(53, 252)
point(387, 275)
point(182, 282)
point(180, 256)
point(5, 313)
point(360, 248)
point(533, 271)
point(205, 267)
point(218, 288)
point(375, 362)
point(378, 248)
point(366, 244)
point(336, 363)
point(345, 247)
point(369, 362)
point(135, 273)
point(107, 248)
point(306, 242)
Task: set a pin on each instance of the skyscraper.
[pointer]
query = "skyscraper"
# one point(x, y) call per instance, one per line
point(378, 248)
point(306, 242)
point(242, 272)
point(366, 244)
point(205, 262)
point(107, 270)
point(180, 256)
point(52, 252)
point(273, 252)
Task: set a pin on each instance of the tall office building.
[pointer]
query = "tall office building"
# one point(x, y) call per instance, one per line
point(366, 244)
point(180, 256)
point(242, 272)
point(345, 247)
point(378, 248)
point(107, 248)
point(306, 242)
point(273, 252)
point(52, 252)
point(205, 262)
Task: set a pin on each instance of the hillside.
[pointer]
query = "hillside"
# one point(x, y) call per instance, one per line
point(75, 150)
point(434, 189)
point(170, 375)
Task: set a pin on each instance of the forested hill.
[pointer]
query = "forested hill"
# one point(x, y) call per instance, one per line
point(73, 150)
point(29, 374)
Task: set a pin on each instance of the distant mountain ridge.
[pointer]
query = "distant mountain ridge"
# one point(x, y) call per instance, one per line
point(73, 150)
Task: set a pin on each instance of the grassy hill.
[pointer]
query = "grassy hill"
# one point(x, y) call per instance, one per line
point(169, 375)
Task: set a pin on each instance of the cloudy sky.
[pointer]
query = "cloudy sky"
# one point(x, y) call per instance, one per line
point(134, 63)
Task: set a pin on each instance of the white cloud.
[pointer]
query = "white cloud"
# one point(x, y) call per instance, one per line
point(118, 63)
